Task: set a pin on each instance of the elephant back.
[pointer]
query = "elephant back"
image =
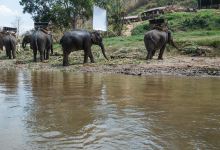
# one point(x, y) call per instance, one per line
point(9, 41)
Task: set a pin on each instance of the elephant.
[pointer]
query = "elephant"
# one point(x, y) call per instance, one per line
point(2, 34)
point(156, 39)
point(41, 41)
point(26, 40)
point(81, 40)
point(9, 41)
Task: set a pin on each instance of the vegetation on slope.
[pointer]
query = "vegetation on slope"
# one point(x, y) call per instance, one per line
point(185, 21)
point(193, 29)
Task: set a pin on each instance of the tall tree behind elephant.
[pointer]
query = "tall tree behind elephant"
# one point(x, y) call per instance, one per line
point(156, 39)
point(9, 41)
point(80, 40)
point(41, 42)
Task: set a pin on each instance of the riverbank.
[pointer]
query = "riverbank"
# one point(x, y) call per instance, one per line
point(171, 65)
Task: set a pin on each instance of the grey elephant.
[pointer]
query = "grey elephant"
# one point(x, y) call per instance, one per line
point(80, 40)
point(41, 41)
point(26, 40)
point(1, 41)
point(9, 41)
point(156, 39)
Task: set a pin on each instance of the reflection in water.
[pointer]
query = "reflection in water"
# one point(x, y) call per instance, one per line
point(41, 110)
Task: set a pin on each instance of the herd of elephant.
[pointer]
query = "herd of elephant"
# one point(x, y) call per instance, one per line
point(74, 40)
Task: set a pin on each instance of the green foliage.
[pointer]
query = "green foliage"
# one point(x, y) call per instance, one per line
point(62, 13)
point(187, 3)
point(141, 29)
point(193, 23)
point(185, 21)
point(203, 19)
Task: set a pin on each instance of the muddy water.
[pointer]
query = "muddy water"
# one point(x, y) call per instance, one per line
point(40, 110)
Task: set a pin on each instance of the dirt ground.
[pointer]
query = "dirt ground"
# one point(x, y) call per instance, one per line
point(178, 65)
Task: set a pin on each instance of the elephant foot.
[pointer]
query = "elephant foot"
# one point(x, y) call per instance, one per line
point(148, 58)
point(65, 64)
point(160, 58)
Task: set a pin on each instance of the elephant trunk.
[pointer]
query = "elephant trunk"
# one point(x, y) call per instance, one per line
point(174, 45)
point(103, 50)
point(23, 44)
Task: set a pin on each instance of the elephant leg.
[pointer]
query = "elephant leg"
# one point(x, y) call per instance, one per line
point(86, 56)
point(35, 55)
point(47, 54)
point(153, 53)
point(42, 56)
point(91, 56)
point(9, 54)
point(44, 53)
point(149, 55)
point(160, 57)
point(65, 58)
point(7, 51)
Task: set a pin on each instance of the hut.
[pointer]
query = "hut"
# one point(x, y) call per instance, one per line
point(152, 13)
point(130, 19)
point(9, 29)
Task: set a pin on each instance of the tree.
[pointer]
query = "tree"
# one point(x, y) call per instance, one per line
point(116, 10)
point(63, 13)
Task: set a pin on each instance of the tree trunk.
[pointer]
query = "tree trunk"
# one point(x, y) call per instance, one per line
point(74, 21)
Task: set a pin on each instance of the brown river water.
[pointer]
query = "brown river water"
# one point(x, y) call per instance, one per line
point(56, 110)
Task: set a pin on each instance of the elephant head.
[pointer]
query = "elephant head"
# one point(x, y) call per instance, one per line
point(97, 40)
point(26, 40)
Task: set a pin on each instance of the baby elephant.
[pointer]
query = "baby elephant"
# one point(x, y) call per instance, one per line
point(156, 39)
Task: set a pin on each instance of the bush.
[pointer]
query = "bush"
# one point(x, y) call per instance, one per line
point(185, 21)
point(197, 22)
point(141, 29)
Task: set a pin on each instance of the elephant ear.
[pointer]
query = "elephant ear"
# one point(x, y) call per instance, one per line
point(93, 37)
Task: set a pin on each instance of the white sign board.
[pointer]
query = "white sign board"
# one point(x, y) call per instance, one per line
point(99, 19)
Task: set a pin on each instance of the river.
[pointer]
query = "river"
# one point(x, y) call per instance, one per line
point(60, 110)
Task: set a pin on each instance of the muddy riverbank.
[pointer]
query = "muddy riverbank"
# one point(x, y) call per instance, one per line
point(180, 66)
